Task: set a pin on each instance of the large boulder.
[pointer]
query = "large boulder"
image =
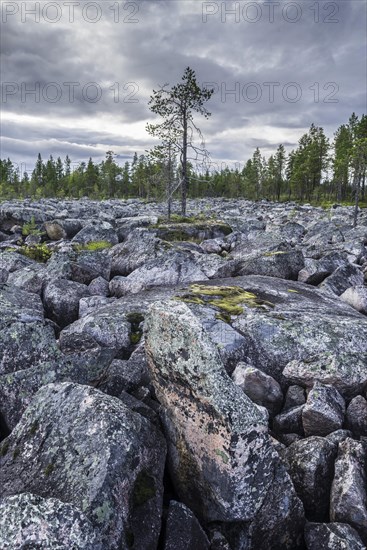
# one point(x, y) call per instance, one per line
point(88, 449)
point(280, 321)
point(346, 371)
point(183, 531)
point(311, 467)
point(348, 498)
point(61, 300)
point(356, 296)
point(221, 458)
point(332, 536)
point(108, 327)
point(96, 232)
point(343, 278)
point(324, 410)
point(280, 263)
point(26, 339)
point(30, 521)
point(261, 388)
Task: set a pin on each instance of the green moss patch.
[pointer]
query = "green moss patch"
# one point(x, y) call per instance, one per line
point(93, 246)
point(39, 252)
point(228, 299)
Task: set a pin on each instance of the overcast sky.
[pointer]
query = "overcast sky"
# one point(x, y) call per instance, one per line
point(276, 66)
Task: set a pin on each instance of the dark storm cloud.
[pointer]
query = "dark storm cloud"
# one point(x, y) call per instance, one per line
point(258, 70)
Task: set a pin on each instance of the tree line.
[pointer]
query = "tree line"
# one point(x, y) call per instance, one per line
point(318, 170)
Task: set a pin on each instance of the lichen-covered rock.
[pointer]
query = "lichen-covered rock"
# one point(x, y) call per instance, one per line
point(107, 326)
point(183, 531)
point(31, 278)
point(175, 267)
point(324, 410)
point(295, 321)
point(342, 278)
point(98, 287)
point(25, 345)
point(30, 521)
point(61, 299)
point(96, 232)
point(315, 271)
point(332, 536)
point(282, 264)
point(221, 458)
point(261, 388)
point(348, 498)
point(347, 372)
point(294, 397)
point(140, 246)
point(356, 417)
point(18, 388)
point(356, 296)
point(289, 421)
point(311, 467)
point(12, 261)
point(19, 305)
point(90, 450)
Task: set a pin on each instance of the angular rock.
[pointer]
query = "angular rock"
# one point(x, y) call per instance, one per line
point(348, 499)
point(183, 531)
point(98, 287)
point(315, 271)
point(311, 467)
point(332, 536)
point(25, 345)
point(30, 521)
point(108, 327)
point(294, 397)
point(61, 299)
point(12, 261)
point(140, 247)
point(18, 388)
point(342, 278)
point(92, 303)
point(31, 278)
point(324, 410)
point(90, 450)
point(356, 418)
point(281, 264)
point(176, 267)
point(338, 436)
point(96, 232)
point(356, 296)
point(221, 458)
point(261, 388)
point(347, 372)
point(289, 421)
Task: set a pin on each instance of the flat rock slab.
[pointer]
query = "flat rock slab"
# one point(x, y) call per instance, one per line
point(76, 444)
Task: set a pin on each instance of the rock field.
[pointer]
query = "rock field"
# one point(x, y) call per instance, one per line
point(190, 384)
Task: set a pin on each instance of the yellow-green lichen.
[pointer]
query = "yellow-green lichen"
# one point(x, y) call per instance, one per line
point(93, 246)
point(228, 299)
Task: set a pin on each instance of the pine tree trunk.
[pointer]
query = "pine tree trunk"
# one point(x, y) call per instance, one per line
point(184, 169)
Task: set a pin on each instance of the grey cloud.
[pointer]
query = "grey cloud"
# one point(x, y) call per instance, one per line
point(169, 36)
